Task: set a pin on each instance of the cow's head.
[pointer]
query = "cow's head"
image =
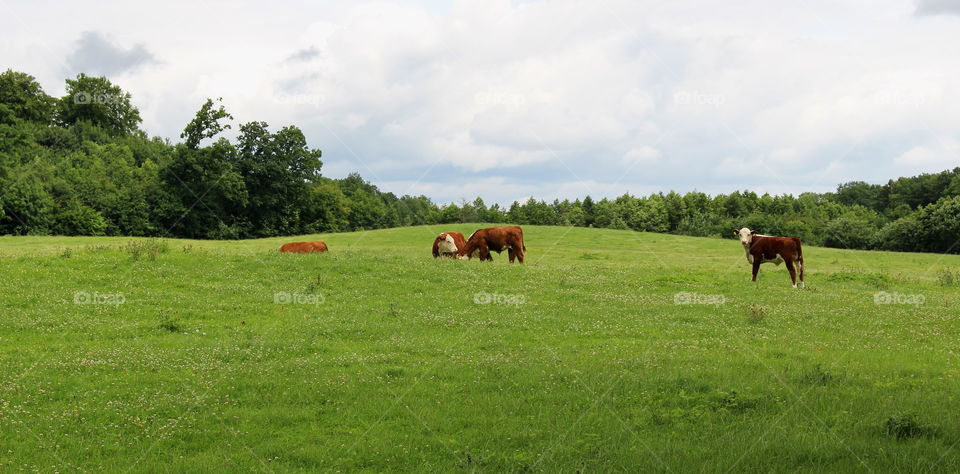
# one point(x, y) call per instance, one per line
point(746, 235)
point(465, 255)
point(446, 244)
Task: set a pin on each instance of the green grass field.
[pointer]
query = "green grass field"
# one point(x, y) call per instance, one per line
point(135, 355)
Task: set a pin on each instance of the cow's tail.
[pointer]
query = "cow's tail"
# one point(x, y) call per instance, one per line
point(799, 257)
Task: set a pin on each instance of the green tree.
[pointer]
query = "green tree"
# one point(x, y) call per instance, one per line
point(367, 207)
point(17, 141)
point(673, 203)
point(899, 235)
point(98, 101)
point(206, 123)
point(938, 226)
point(277, 169)
point(646, 215)
point(327, 210)
point(24, 96)
point(605, 213)
point(29, 207)
point(860, 193)
point(450, 214)
point(850, 231)
point(202, 194)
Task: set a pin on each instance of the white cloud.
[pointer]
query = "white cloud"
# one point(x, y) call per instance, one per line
point(938, 7)
point(97, 54)
point(940, 154)
point(509, 99)
point(644, 155)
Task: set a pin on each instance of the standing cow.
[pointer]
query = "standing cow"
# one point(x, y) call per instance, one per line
point(447, 244)
point(765, 249)
point(498, 239)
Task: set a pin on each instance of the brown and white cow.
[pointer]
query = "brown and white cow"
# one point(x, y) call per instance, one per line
point(498, 239)
point(447, 244)
point(304, 247)
point(762, 249)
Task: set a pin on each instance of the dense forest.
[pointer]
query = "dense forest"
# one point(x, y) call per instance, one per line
point(81, 165)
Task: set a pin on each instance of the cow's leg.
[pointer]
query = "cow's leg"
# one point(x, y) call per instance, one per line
point(520, 254)
point(514, 254)
point(800, 268)
point(756, 267)
point(793, 272)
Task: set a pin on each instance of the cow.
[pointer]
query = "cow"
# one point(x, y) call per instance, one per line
point(304, 247)
point(776, 250)
point(498, 239)
point(447, 244)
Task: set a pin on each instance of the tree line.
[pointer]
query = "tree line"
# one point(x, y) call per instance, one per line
point(81, 165)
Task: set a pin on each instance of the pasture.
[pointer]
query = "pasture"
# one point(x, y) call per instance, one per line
point(608, 351)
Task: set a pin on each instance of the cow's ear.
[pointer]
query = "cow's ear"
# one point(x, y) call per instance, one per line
point(753, 232)
point(735, 232)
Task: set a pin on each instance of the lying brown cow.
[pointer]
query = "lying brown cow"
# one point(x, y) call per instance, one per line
point(447, 244)
point(498, 239)
point(776, 250)
point(304, 247)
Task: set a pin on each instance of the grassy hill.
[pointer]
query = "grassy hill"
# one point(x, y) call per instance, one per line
point(136, 354)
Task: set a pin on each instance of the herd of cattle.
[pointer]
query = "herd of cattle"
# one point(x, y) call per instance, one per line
point(759, 249)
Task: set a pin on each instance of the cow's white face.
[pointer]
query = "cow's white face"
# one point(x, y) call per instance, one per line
point(746, 236)
point(447, 245)
point(475, 253)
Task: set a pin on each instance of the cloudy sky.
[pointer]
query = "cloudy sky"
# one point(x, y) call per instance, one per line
point(552, 99)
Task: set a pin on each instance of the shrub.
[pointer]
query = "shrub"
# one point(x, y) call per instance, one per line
point(150, 248)
point(170, 323)
point(756, 313)
point(947, 277)
point(78, 219)
point(907, 426)
point(852, 232)
point(899, 235)
point(817, 376)
point(939, 225)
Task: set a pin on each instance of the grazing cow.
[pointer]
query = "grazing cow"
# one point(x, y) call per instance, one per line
point(447, 244)
point(304, 247)
point(765, 249)
point(498, 239)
